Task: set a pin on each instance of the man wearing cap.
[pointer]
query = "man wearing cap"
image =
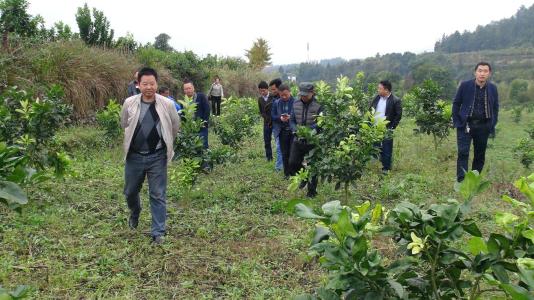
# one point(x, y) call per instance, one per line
point(305, 112)
point(387, 106)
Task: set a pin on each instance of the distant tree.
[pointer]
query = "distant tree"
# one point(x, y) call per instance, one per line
point(518, 91)
point(14, 18)
point(63, 31)
point(259, 55)
point(162, 42)
point(95, 29)
point(127, 42)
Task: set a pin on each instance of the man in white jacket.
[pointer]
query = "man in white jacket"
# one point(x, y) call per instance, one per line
point(151, 124)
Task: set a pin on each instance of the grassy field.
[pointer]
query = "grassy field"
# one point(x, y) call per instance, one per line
point(228, 237)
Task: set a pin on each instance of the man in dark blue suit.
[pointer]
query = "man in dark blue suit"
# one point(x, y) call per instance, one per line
point(475, 112)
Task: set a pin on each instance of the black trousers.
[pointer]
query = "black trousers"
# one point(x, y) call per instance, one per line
point(478, 133)
point(216, 105)
point(286, 138)
point(299, 149)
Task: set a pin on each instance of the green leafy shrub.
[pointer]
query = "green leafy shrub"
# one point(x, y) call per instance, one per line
point(237, 121)
point(109, 119)
point(431, 261)
point(432, 115)
point(524, 150)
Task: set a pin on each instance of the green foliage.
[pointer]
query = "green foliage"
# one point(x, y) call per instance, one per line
point(258, 55)
point(20, 292)
point(431, 263)
point(432, 115)
point(188, 143)
point(236, 122)
point(94, 30)
point(109, 119)
point(28, 126)
point(348, 133)
point(524, 150)
point(511, 32)
point(186, 173)
point(14, 18)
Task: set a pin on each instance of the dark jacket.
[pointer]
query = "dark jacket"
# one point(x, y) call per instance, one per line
point(393, 110)
point(203, 108)
point(265, 109)
point(276, 112)
point(132, 88)
point(305, 114)
point(462, 106)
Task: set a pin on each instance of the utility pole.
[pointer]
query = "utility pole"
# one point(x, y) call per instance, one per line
point(308, 51)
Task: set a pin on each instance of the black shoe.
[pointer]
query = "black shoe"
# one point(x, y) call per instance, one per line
point(158, 240)
point(311, 194)
point(133, 222)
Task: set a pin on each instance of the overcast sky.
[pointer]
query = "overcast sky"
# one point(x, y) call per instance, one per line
point(333, 28)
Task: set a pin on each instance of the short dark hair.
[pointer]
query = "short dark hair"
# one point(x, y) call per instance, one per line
point(188, 81)
point(387, 85)
point(277, 82)
point(147, 72)
point(263, 85)
point(483, 63)
point(284, 87)
point(163, 89)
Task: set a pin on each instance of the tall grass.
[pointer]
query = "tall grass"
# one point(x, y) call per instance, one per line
point(90, 76)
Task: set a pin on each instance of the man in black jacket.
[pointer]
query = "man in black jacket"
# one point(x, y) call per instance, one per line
point(387, 106)
point(265, 102)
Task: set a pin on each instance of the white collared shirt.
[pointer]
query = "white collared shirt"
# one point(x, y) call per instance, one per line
point(380, 112)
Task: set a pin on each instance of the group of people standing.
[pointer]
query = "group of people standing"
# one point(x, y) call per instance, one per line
point(151, 122)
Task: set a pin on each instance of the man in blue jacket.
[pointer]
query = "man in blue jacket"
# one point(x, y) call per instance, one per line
point(280, 113)
point(202, 110)
point(475, 112)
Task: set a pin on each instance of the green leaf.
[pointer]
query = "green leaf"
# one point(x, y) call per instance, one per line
point(505, 218)
point(399, 289)
point(524, 188)
point(472, 229)
point(362, 209)
point(321, 233)
point(332, 208)
point(500, 273)
point(377, 212)
point(343, 227)
point(20, 292)
point(12, 192)
point(529, 234)
point(477, 245)
point(305, 212)
point(517, 292)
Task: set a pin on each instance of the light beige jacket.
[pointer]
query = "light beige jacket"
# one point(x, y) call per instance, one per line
point(168, 117)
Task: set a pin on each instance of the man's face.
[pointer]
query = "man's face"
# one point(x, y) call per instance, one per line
point(167, 93)
point(382, 91)
point(284, 95)
point(148, 86)
point(264, 92)
point(189, 89)
point(307, 98)
point(274, 90)
point(482, 73)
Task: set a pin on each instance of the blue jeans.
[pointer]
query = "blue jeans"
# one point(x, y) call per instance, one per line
point(479, 133)
point(279, 164)
point(386, 153)
point(204, 136)
point(154, 167)
point(267, 134)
